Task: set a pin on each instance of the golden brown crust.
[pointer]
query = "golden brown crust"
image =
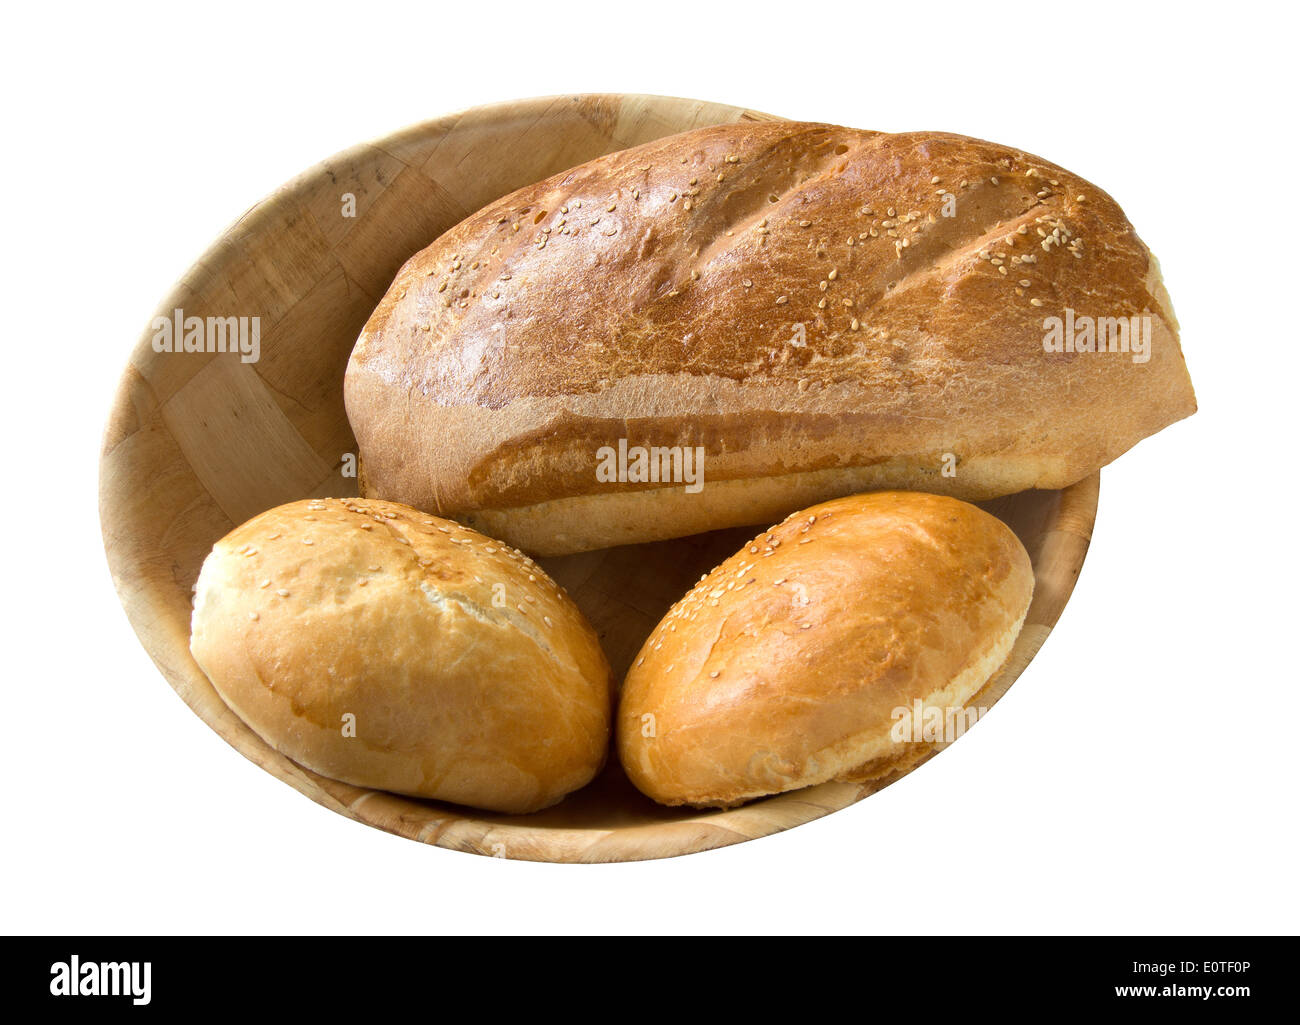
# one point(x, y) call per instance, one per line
point(470, 675)
point(653, 295)
point(785, 666)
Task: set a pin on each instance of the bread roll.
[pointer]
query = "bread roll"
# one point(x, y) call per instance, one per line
point(821, 311)
point(391, 649)
point(788, 665)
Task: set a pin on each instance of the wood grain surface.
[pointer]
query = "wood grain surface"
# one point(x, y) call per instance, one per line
point(198, 442)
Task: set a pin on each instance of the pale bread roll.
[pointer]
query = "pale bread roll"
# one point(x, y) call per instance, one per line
point(470, 675)
point(788, 664)
point(820, 310)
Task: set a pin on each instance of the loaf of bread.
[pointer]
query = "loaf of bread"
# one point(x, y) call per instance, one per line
point(798, 659)
point(387, 648)
point(724, 325)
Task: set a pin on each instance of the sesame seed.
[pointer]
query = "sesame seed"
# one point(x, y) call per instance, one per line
point(1036, 302)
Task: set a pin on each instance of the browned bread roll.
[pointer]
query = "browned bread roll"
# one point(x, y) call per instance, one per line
point(788, 664)
point(390, 649)
point(819, 310)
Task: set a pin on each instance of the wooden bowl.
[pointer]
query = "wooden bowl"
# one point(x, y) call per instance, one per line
point(197, 443)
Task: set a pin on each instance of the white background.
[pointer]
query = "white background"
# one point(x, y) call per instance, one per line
point(1141, 775)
